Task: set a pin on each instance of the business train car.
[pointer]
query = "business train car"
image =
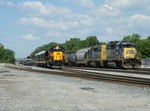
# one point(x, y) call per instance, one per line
point(116, 54)
point(53, 58)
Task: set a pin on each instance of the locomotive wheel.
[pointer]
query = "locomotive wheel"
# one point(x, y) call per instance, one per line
point(105, 64)
point(119, 64)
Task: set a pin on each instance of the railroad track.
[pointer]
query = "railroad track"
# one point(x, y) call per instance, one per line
point(145, 71)
point(110, 77)
point(91, 75)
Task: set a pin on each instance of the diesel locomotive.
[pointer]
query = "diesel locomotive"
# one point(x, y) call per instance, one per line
point(122, 55)
point(116, 54)
point(53, 58)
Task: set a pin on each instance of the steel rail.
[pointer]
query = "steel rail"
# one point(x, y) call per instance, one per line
point(135, 71)
point(91, 75)
point(118, 78)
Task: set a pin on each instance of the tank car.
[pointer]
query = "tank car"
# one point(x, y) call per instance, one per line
point(82, 57)
point(54, 57)
point(72, 59)
point(122, 54)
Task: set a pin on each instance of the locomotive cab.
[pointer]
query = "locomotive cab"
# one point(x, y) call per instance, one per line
point(128, 55)
point(55, 56)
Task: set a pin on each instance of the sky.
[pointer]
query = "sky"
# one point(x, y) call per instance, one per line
point(26, 25)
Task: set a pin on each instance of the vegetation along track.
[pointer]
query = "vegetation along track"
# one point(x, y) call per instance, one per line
point(90, 75)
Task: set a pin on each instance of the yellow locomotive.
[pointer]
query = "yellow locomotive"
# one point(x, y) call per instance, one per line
point(54, 57)
point(122, 55)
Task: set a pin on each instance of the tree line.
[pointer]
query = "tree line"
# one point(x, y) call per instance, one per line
point(6, 55)
point(74, 44)
point(71, 45)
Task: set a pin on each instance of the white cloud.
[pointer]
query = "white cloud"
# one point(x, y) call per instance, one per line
point(86, 3)
point(139, 21)
point(35, 21)
point(106, 10)
point(89, 4)
point(10, 4)
point(30, 37)
point(119, 3)
point(87, 21)
point(63, 24)
point(41, 23)
point(97, 19)
point(140, 17)
point(109, 31)
point(41, 8)
point(36, 6)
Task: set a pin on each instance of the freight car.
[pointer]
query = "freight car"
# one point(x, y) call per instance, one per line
point(71, 59)
point(116, 54)
point(53, 58)
point(79, 58)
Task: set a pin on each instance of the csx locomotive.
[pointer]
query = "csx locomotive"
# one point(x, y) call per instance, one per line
point(53, 58)
point(116, 54)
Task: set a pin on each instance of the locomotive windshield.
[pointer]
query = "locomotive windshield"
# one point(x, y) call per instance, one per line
point(128, 45)
point(123, 45)
point(57, 48)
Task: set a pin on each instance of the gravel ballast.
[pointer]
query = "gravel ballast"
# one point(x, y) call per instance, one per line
point(28, 91)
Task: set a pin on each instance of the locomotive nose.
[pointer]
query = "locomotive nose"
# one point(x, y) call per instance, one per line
point(129, 53)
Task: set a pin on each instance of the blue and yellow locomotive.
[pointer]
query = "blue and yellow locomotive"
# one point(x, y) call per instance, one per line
point(122, 55)
point(116, 54)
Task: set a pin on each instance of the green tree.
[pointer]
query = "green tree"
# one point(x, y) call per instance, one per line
point(1, 52)
point(144, 47)
point(42, 48)
point(9, 56)
point(134, 38)
point(92, 41)
point(73, 44)
point(6, 55)
point(127, 38)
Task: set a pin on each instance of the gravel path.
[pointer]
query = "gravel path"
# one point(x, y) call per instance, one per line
point(28, 91)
